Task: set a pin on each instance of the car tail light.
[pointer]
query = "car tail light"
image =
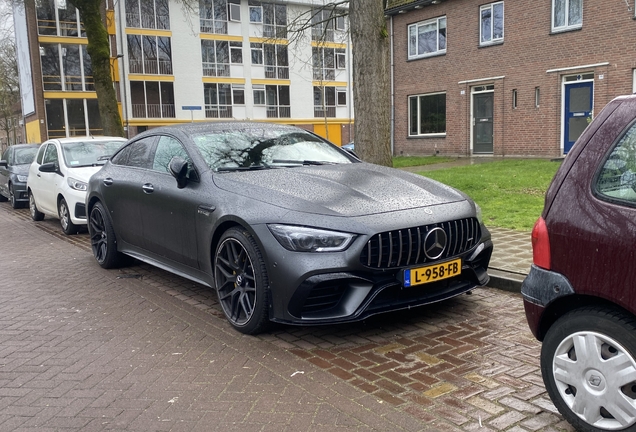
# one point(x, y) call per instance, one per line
point(541, 245)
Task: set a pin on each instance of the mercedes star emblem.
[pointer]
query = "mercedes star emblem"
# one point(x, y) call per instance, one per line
point(435, 243)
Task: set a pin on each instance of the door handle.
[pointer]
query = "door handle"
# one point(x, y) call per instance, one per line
point(39, 175)
point(148, 188)
point(107, 181)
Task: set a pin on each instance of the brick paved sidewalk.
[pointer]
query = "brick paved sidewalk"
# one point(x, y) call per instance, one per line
point(82, 348)
point(151, 351)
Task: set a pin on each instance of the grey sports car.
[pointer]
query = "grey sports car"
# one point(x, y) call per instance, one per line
point(284, 225)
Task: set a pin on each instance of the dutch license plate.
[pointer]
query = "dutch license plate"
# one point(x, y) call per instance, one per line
point(432, 273)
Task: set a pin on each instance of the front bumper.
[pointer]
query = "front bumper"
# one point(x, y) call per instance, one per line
point(76, 204)
point(318, 289)
point(20, 192)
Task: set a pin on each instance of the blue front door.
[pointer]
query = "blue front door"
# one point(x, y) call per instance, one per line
point(579, 101)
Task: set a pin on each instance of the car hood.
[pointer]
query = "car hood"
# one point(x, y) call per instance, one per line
point(345, 190)
point(20, 169)
point(82, 173)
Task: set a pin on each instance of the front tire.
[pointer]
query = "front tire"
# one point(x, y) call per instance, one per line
point(36, 214)
point(240, 277)
point(65, 218)
point(12, 199)
point(103, 240)
point(588, 363)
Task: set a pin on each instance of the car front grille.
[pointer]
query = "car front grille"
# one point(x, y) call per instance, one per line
point(405, 247)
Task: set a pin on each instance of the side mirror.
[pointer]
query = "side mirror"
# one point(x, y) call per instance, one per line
point(3, 163)
point(49, 167)
point(179, 170)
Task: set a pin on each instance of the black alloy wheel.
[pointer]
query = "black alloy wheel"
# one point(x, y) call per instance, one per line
point(241, 281)
point(36, 214)
point(65, 218)
point(588, 363)
point(102, 234)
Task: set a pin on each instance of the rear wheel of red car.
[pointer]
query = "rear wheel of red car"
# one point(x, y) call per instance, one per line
point(588, 362)
point(241, 281)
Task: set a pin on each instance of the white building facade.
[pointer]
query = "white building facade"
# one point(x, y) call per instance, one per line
point(225, 59)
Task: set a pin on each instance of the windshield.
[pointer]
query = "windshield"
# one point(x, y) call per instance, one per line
point(230, 150)
point(89, 153)
point(24, 155)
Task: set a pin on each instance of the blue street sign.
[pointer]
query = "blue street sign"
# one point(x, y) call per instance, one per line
point(191, 108)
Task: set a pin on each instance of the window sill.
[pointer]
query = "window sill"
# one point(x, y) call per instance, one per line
point(437, 54)
point(428, 136)
point(490, 44)
point(566, 30)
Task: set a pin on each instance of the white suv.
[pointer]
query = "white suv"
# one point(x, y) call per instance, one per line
point(58, 176)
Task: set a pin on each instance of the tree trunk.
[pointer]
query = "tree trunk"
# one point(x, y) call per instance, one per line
point(371, 86)
point(99, 50)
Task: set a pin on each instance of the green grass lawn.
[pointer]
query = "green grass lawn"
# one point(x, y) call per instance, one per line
point(509, 192)
point(409, 161)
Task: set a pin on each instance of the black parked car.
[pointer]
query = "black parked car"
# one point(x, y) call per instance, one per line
point(14, 168)
point(284, 224)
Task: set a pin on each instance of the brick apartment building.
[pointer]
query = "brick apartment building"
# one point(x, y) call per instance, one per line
point(506, 78)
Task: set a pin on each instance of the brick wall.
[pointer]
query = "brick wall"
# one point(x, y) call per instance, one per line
point(524, 61)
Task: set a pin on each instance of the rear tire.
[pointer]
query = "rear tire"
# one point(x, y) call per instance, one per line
point(240, 277)
point(103, 240)
point(64, 213)
point(36, 214)
point(588, 363)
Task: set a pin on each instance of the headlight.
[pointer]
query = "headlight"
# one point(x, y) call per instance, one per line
point(22, 178)
point(77, 184)
point(303, 239)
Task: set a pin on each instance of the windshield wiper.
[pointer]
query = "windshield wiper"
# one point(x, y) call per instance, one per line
point(301, 162)
point(242, 168)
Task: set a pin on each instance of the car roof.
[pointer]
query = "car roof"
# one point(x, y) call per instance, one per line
point(202, 127)
point(87, 138)
point(23, 146)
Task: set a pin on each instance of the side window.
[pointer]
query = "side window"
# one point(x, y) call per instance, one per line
point(167, 148)
point(5, 156)
point(41, 154)
point(136, 154)
point(617, 178)
point(567, 15)
point(51, 154)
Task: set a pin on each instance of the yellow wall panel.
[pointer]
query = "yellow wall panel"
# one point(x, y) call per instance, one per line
point(33, 132)
point(334, 132)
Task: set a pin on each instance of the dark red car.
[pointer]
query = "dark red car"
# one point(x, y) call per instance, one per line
point(580, 294)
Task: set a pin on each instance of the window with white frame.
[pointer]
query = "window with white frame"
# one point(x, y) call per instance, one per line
point(427, 114)
point(215, 58)
point(235, 11)
point(218, 100)
point(256, 53)
point(427, 38)
point(324, 101)
point(256, 12)
point(567, 14)
point(341, 96)
point(326, 61)
point(259, 94)
point(491, 29)
point(213, 16)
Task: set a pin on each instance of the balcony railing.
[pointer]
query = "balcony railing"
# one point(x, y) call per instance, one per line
point(213, 26)
point(279, 112)
point(324, 74)
point(218, 111)
point(276, 32)
point(216, 69)
point(153, 110)
point(324, 112)
point(150, 67)
point(280, 72)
